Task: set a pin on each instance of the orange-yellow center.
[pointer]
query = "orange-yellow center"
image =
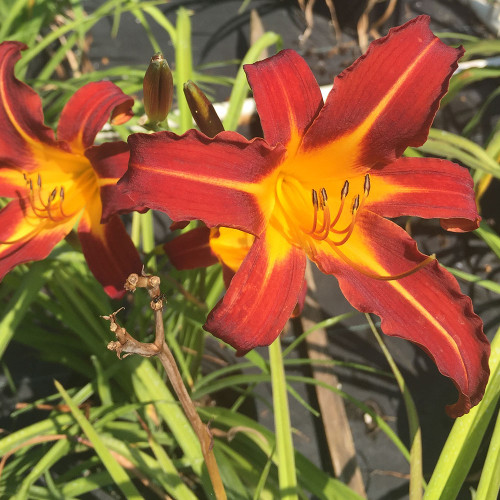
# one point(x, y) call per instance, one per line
point(55, 192)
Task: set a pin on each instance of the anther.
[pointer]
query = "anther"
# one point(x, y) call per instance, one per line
point(324, 196)
point(61, 193)
point(53, 195)
point(366, 186)
point(39, 181)
point(355, 205)
point(315, 199)
point(31, 185)
point(345, 190)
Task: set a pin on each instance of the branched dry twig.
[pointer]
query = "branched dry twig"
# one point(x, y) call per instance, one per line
point(126, 344)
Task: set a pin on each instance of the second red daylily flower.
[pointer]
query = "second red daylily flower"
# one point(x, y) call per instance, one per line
point(321, 185)
point(56, 183)
point(204, 247)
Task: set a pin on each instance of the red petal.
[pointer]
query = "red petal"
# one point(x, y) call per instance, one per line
point(28, 241)
point(222, 181)
point(110, 162)
point(425, 187)
point(261, 296)
point(191, 250)
point(21, 115)
point(287, 96)
point(89, 109)
point(388, 98)
point(110, 253)
point(297, 311)
point(426, 307)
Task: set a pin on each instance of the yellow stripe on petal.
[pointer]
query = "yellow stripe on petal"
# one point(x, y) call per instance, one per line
point(245, 187)
point(357, 135)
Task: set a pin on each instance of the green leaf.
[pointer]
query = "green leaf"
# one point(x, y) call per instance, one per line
point(311, 478)
point(416, 478)
point(465, 437)
point(455, 147)
point(489, 483)
point(38, 274)
point(116, 471)
point(486, 233)
point(282, 426)
point(183, 66)
point(240, 87)
point(472, 278)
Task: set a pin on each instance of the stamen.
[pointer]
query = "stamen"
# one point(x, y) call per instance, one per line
point(345, 190)
point(325, 227)
point(44, 207)
point(315, 215)
point(343, 194)
point(389, 277)
point(48, 207)
point(323, 205)
point(366, 187)
point(355, 205)
point(348, 230)
point(61, 200)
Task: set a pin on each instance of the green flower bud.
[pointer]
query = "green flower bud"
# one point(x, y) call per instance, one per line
point(158, 87)
point(202, 110)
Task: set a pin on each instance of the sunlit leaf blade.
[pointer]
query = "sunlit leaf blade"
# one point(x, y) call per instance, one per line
point(486, 233)
point(116, 471)
point(19, 304)
point(240, 87)
point(465, 437)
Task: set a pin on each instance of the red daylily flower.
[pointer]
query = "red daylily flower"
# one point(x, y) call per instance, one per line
point(204, 247)
point(321, 185)
point(55, 183)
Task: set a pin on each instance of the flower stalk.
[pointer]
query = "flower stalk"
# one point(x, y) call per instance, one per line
point(125, 343)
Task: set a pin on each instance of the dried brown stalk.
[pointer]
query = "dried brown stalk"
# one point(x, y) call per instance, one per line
point(126, 344)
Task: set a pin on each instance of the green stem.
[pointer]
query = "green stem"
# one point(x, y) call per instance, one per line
point(284, 444)
point(148, 238)
point(136, 229)
point(416, 478)
point(183, 67)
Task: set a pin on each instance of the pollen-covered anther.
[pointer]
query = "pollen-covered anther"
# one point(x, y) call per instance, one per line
point(355, 205)
point(367, 185)
point(320, 203)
